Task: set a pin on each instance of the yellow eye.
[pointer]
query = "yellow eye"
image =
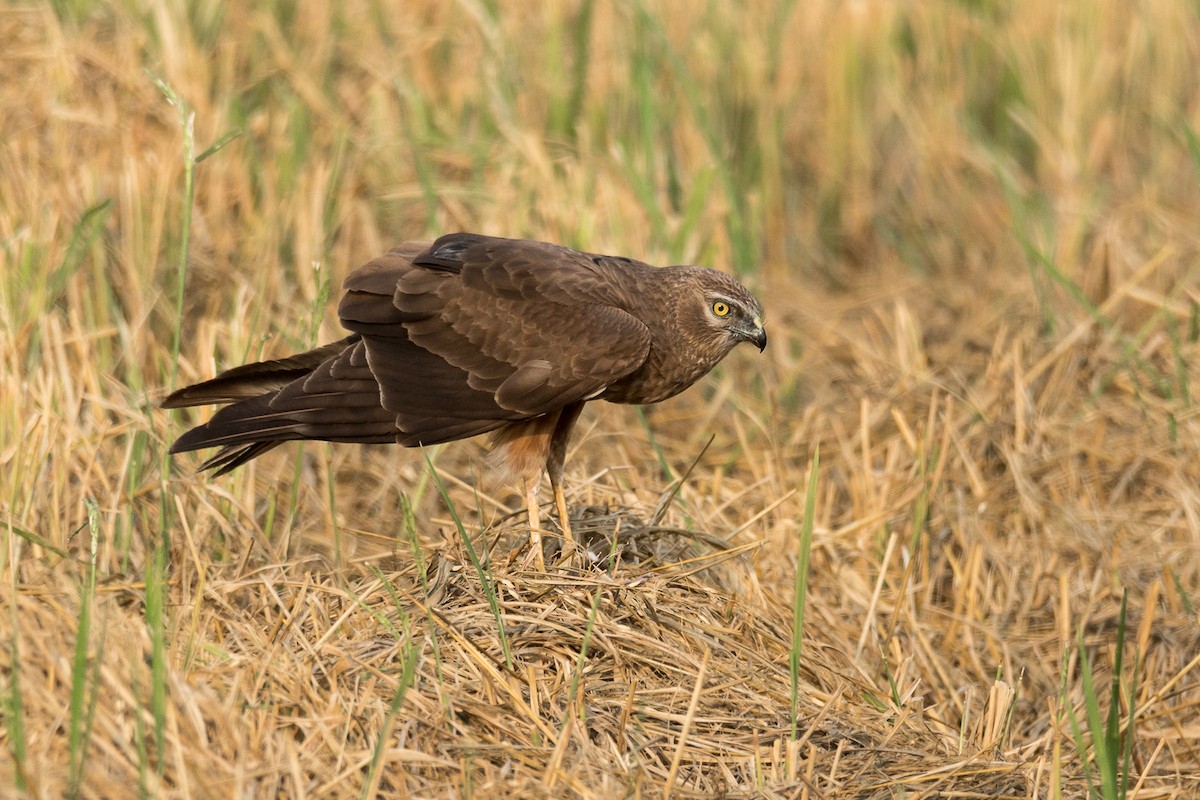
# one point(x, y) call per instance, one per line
point(721, 308)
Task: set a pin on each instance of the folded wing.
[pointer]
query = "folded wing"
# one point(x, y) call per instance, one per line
point(450, 340)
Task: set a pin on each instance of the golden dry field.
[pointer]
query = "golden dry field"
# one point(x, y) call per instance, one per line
point(975, 227)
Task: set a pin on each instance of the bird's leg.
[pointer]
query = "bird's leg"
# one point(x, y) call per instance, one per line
point(554, 466)
point(532, 481)
point(560, 502)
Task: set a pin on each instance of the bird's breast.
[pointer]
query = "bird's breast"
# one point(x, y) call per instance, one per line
point(662, 377)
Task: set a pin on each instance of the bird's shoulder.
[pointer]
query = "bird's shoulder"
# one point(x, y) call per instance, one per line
point(529, 269)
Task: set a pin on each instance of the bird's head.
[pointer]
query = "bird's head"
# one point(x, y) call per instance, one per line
point(728, 313)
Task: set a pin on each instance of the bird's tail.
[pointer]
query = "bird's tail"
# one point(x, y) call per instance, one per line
point(327, 393)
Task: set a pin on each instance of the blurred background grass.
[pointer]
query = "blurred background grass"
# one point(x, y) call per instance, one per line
point(973, 224)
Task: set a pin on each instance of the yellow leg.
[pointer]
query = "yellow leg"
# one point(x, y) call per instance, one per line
point(564, 519)
point(554, 468)
point(535, 526)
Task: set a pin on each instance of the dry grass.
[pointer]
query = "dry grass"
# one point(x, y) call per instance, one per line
point(975, 233)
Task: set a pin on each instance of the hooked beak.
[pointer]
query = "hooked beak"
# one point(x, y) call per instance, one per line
point(760, 339)
point(756, 334)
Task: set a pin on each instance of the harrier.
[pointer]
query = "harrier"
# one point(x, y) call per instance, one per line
point(472, 334)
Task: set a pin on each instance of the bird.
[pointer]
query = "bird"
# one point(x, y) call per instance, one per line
point(474, 334)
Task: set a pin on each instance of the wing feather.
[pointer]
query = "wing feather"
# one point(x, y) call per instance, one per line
point(530, 325)
point(253, 380)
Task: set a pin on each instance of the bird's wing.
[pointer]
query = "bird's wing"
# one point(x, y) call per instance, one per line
point(529, 326)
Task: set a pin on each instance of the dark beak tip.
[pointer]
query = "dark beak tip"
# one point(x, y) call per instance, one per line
point(761, 341)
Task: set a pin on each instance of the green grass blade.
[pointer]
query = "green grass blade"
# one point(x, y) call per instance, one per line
point(1185, 596)
point(1112, 725)
point(218, 145)
point(1105, 759)
point(1068, 708)
point(481, 569)
point(1193, 144)
point(418, 553)
point(40, 541)
point(581, 39)
point(156, 568)
point(82, 236)
point(411, 658)
point(156, 598)
point(577, 676)
point(800, 590)
point(663, 464)
point(14, 714)
point(141, 746)
point(14, 709)
point(187, 122)
point(1130, 726)
point(83, 670)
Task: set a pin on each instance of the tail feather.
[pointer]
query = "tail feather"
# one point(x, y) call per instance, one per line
point(230, 458)
point(327, 394)
point(254, 380)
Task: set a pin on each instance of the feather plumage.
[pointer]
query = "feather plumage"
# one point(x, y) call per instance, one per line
point(472, 334)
